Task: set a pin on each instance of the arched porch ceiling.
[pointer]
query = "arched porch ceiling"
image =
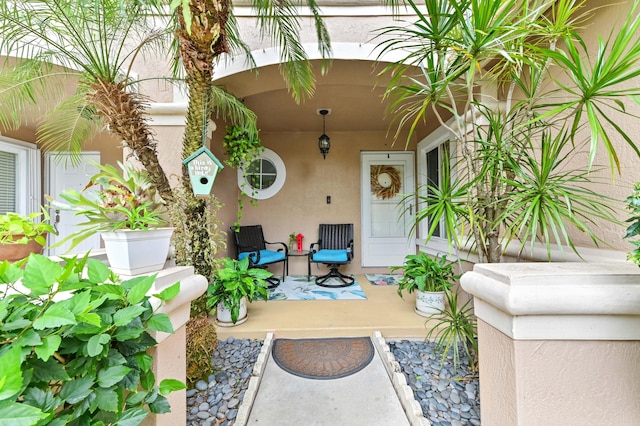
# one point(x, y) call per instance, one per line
point(351, 89)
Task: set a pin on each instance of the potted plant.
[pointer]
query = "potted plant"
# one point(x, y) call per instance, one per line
point(429, 277)
point(633, 230)
point(21, 235)
point(127, 214)
point(235, 285)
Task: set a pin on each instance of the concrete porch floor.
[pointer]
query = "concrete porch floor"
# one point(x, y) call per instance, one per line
point(383, 311)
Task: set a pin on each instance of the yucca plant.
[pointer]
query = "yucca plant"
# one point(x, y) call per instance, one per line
point(454, 330)
point(510, 150)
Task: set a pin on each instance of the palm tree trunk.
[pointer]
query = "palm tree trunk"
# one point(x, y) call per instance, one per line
point(124, 113)
point(199, 47)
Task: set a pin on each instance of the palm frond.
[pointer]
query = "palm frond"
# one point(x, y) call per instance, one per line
point(279, 21)
point(69, 125)
point(234, 110)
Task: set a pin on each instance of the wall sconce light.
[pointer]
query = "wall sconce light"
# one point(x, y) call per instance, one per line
point(323, 140)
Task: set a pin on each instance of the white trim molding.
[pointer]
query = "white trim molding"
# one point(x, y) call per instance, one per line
point(558, 301)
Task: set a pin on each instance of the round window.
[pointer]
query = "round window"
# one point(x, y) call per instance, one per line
point(264, 176)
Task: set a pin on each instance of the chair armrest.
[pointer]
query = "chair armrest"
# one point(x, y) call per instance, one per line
point(311, 247)
point(286, 250)
point(252, 250)
point(350, 250)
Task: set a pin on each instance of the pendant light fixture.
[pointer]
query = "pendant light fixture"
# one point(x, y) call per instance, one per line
point(323, 140)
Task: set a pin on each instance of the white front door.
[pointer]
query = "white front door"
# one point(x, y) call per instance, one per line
point(61, 176)
point(386, 218)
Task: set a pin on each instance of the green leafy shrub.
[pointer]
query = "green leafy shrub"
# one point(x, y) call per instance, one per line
point(73, 345)
point(202, 342)
point(455, 330)
point(633, 203)
point(235, 281)
point(125, 199)
point(13, 225)
point(425, 273)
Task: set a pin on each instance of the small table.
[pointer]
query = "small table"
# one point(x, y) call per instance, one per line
point(296, 253)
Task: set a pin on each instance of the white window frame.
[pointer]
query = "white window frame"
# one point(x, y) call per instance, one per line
point(436, 245)
point(263, 194)
point(28, 189)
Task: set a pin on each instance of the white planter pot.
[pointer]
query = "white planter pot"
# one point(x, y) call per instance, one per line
point(134, 252)
point(223, 315)
point(429, 302)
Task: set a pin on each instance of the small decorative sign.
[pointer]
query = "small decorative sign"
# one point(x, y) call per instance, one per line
point(203, 167)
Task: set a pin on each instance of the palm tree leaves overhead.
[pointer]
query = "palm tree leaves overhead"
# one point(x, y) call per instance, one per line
point(85, 40)
point(280, 22)
point(90, 43)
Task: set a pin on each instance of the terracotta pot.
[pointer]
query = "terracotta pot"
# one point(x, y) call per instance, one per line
point(15, 252)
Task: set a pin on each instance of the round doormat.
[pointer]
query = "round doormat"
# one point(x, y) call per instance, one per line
point(330, 358)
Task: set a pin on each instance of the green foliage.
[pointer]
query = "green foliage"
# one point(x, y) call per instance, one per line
point(189, 248)
point(74, 342)
point(633, 203)
point(93, 42)
point(241, 148)
point(234, 280)
point(27, 227)
point(510, 152)
point(122, 199)
point(454, 329)
point(202, 341)
point(423, 272)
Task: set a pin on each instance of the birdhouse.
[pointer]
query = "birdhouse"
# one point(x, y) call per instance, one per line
point(203, 167)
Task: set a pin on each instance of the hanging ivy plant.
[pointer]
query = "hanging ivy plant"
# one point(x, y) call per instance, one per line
point(241, 150)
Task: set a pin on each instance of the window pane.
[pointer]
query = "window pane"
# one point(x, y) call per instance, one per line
point(268, 180)
point(7, 182)
point(261, 174)
point(433, 178)
point(268, 167)
point(254, 167)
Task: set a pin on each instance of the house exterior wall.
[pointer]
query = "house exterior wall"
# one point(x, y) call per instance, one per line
point(559, 343)
point(353, 24)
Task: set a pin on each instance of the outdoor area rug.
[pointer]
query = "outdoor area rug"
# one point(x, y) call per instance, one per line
point(323, 359)
point(383, 279)
point(298, 288)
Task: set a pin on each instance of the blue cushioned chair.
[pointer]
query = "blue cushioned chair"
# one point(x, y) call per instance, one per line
point(249, 242)
point(334, 248)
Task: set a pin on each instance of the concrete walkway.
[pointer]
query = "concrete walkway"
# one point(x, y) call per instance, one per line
point(376, 395)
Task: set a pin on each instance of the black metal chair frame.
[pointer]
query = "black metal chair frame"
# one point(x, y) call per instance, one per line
point(333, 237)
point(250, 238)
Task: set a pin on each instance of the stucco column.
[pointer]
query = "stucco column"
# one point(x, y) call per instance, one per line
point(559, 343)
point(169, 357)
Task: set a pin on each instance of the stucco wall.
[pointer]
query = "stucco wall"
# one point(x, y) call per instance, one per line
point(301, 206)
point(557, 382)
point(497, 391)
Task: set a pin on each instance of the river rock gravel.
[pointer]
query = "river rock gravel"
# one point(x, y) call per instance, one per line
point(447, 397)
